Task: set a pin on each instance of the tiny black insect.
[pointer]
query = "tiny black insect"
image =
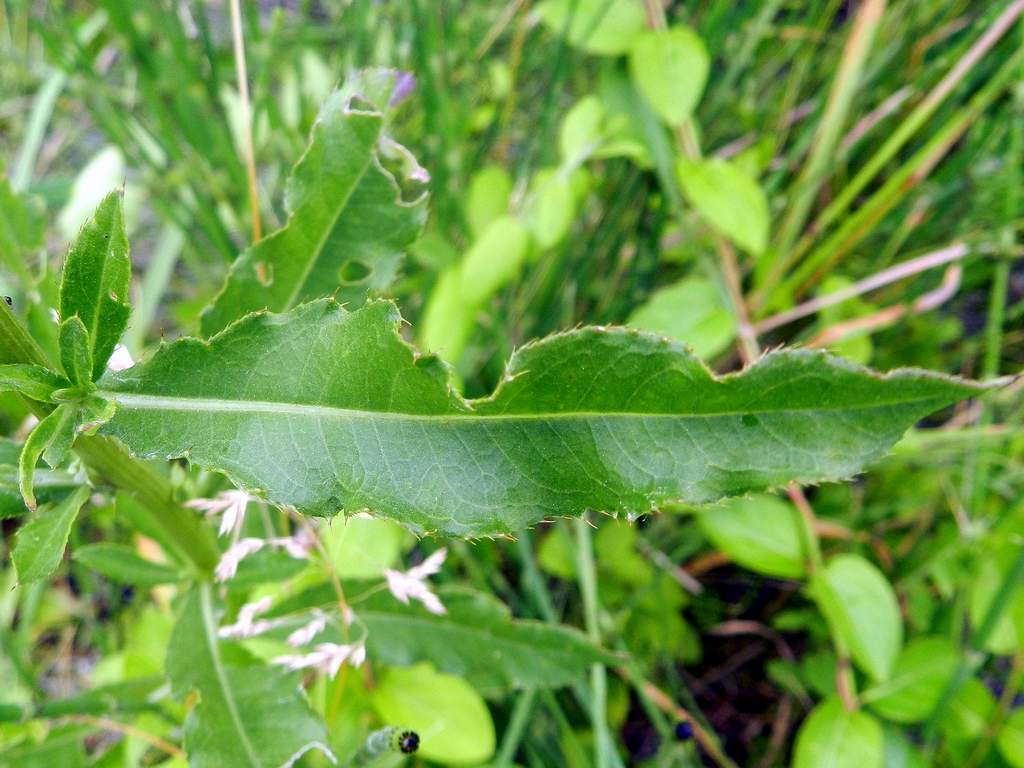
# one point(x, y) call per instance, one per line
point(408, 742)
point(684, 731)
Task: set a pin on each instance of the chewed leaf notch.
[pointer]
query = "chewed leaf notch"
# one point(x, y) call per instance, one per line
point(329, 410)
point(347, 224)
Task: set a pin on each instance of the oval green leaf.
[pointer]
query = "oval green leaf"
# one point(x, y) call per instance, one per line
point(831, 737)
point(670, 68)
point(729, 200)
point(760, 533)
point(453, 722)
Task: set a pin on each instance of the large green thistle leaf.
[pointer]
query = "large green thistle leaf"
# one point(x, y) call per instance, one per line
point(330, 410)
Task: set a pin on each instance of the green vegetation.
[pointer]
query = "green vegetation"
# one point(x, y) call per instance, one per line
point(579, 383)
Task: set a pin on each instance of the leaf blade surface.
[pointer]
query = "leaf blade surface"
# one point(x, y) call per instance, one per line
point(329, 410)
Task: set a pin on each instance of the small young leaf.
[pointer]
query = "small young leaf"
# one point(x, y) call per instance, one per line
point(691, 311)
point(40, 542)
point(330, 410)
point(833, 737)
point(730, 201)
point(347, 223)
point(249, 715)
point(861, 607)
point(760, 533)
point(553, 208)
point(919, 677)
point(75, 355)
point(123, 565)
point(454, 724)
point(51, 439)
point(95, 282)
point(32, 381)
point(477, 639)
point(670, 68)
point(494, 259)
point(581, 131)
point(488, 197)
point(602, 27)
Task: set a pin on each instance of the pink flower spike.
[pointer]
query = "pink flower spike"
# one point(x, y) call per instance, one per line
point(412, 583)
point(245, 626)
point(305, 634)
point(229, 504)
point(326, 658)
point(228, 565)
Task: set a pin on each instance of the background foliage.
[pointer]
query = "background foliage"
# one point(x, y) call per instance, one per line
point(730, 176)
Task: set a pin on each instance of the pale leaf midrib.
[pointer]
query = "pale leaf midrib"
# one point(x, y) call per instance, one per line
point(210, 636)
point(325, 235)
point(131, 400)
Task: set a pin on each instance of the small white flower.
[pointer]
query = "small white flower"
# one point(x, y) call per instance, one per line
point(305, 634)
point(120, 359)
point(230, 504)
point(326, 658)
point(412, 583)
point(228, 565)
point(245, 626)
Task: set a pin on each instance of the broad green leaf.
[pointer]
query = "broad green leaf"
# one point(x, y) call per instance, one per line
point(453, 722)
point(249, 715)
point(969, 713)
point(831, 737)
point(75, 355)
point(602, 27)
point(40, 542)
point(729, 200)
point(51, 439)
point(493, 260)
point(94, 285)
point(670, 68)
point(331, 410)
point(1011, 739)
point(489, 193)
point(691, 311)
point(759, 532)
point(63, 747)
point(479, 641)
point(361, 547)
point(919, 677)
point(861, 607)
point(32, 381)
point(346, 229)
point(123, 565)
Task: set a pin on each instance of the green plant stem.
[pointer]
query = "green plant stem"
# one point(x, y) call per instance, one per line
point(903, 133)
point(916, 169)
point(111, 460)
point(973, 660)
point(587, 574)
point(837, 110)
point(516, 728)
point(42, 109)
